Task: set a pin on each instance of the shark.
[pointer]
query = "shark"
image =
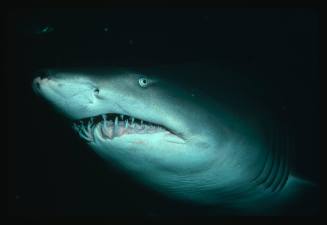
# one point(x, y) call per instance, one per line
point(179, 142)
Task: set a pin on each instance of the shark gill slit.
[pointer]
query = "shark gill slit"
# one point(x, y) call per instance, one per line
point(282, 163)
point(275, 170)
point(286, 164)
point(264, 175)
point(273, 178)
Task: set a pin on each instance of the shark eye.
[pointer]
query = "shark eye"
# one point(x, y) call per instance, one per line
point(143, 82)
point(96, 91)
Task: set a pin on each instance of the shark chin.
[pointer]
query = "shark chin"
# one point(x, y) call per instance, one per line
point(186, 146)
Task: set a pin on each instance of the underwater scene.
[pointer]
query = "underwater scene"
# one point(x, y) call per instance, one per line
point(158, 112)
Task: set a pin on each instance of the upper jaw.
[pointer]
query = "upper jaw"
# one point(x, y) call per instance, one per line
point(84, 123)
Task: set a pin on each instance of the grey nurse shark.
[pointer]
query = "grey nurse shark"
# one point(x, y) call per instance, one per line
point(184, 145)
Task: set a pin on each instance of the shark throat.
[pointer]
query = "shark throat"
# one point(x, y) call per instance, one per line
point(114, 125)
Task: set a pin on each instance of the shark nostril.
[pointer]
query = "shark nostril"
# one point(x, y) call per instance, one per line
point(42, 74)
point(37, 84)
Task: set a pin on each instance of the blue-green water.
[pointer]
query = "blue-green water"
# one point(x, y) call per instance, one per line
point(269, 60)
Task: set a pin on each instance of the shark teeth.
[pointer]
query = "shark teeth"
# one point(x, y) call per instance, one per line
point(85, 132)
point(116, 121)
point(113, 125)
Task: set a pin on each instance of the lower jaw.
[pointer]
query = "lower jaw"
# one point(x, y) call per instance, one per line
point(136, 139)
point(109, 131)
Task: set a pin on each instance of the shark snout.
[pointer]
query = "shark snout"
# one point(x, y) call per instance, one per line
point(72, 95)
point(40, 82)
point(42, 76)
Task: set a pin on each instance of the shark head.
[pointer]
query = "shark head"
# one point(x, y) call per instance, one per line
point(140, 122)
point(157, 130)
point(181, 144)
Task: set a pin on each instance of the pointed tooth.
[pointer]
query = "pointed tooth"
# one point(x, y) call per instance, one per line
point(90, 121)
point(126, 123)
point(115, 128)
point(105, 131)
point(116, 121)
point(122, 117)
point(90, 129)
point(133, 120)
point(90, 134)
point(89, 124)
point(104, 117)
point(85, 134)
point(76, 127)
point(85, 131)
point(102, 128)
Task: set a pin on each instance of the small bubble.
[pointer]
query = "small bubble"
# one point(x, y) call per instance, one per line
point(106, 29)
point(131, 42)
point(17, 197)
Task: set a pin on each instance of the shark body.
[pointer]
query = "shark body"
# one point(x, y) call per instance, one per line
point(182, 144)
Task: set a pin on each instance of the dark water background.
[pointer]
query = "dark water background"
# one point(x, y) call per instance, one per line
point(52, 172)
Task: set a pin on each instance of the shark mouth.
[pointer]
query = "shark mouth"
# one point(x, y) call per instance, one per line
point(115, 125)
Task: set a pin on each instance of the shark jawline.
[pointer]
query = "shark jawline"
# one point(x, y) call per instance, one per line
point(115, 125)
